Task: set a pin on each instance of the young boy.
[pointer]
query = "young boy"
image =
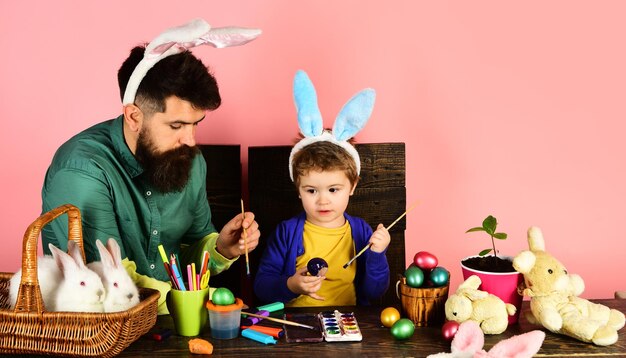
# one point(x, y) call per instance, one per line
point(325, 175)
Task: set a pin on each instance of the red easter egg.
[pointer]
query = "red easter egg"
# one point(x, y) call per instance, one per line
point(449, 329)
point(425, 260)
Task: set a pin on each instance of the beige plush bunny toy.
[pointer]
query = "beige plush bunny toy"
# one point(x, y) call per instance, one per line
point(470, 303)
point(554, 301)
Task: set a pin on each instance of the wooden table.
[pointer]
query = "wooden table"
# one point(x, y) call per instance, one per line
point(377, 341)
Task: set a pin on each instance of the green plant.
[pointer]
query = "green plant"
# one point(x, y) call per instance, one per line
point(489, 226)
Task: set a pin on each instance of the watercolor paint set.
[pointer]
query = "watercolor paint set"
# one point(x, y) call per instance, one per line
point(331, 326)
point(339, 326)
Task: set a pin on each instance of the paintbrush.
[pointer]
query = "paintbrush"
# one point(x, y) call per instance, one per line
point(370, 244)
point(278, 320)
point(245, 239)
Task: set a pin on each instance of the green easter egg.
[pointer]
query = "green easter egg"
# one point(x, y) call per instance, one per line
point(402, 329)
point(222, 297)
point(414, 276)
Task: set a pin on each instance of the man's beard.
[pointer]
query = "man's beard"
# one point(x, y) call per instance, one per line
point(168, 171)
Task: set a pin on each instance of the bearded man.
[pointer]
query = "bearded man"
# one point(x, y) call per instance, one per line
point(139, 178)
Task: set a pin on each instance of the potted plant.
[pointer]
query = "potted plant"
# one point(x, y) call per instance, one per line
point(496, 273)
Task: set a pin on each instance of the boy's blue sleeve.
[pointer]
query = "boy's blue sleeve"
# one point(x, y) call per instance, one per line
point(270, 283)
point(372, 279)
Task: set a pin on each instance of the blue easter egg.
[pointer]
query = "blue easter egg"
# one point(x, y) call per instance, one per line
point(317, 266)
point(439, 276)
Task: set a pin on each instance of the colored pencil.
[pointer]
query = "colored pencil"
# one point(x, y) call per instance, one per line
point(205, 263)
point(168, 269)
point(193, 276)
point(179, 279)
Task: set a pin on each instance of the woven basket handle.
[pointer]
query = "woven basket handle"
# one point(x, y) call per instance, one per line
point(29, 295)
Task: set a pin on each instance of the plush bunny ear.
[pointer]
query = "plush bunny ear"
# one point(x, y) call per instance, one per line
point(469, 338)
point(523, 346)
point(535, 239)
point(309, 116)
point(472, 282)
point(182, 38)
point(221, 37)
point(354, 114)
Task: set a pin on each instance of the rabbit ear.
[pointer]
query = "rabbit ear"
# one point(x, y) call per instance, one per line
point(115, 251)
point(354, 114)
point(105, 255)
point(309, 116)
point(469, 338)
point(524, 345)
point(75, 253)
point(64, 261)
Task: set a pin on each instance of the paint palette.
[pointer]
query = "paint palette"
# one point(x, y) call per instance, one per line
point(339, 327)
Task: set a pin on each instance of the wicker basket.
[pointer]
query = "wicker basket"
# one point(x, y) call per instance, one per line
point(29, 329)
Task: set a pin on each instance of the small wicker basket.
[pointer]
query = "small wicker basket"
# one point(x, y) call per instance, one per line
point(30, 329)
point(425, 306)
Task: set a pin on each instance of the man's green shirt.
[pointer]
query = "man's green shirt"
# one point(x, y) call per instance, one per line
point(96, 171)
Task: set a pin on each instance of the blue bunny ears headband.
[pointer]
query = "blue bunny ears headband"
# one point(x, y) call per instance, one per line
point(350, 120)
point(182, 38)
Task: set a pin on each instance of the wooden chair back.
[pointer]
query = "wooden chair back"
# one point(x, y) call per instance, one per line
point(380, 197)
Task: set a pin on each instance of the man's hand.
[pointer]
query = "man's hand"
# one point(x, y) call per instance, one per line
point(232, 242)
point(304, 284)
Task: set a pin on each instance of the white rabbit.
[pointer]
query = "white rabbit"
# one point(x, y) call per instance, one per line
point(65, 282)
point(49, 277)
point(121, 291)
point(81, 289)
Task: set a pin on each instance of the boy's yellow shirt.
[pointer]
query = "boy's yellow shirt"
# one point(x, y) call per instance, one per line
point(336, 247)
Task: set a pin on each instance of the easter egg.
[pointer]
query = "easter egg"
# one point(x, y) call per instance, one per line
point(389, 316)
point(414, 276)
point(425, 260)
point(449, 329)
point(222, 297)
point(317, 266)
point(402, 329)
point(439, 276)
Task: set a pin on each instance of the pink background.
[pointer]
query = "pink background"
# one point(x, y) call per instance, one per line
point(506, 108)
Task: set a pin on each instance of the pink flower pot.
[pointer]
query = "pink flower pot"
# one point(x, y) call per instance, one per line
point(501, 284)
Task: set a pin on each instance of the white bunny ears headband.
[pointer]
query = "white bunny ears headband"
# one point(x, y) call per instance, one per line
point(182, 38)
point(350, 120)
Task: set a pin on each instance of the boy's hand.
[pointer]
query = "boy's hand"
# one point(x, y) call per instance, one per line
point(380, 239)
point(304, 284)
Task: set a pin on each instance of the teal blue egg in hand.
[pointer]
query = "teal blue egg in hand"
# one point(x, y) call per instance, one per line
point(402, 329)
point(439, 276)
point(414, 276)
point(222, 297)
